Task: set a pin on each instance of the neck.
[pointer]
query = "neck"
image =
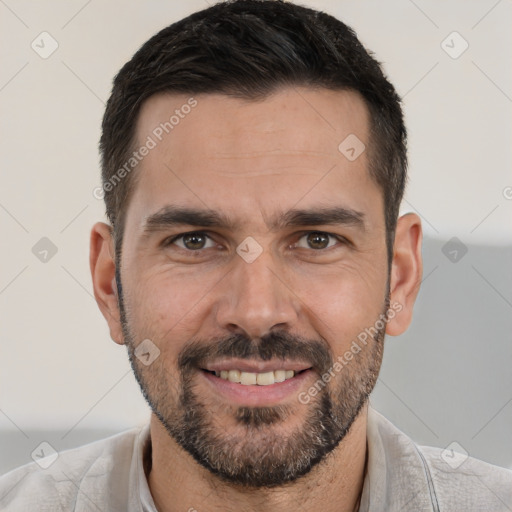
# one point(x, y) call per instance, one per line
point(177, 482)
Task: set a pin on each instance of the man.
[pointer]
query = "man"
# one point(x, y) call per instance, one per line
point(253, 166)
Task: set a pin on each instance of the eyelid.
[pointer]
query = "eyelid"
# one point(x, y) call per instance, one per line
point(339, 238)
point(171, 239)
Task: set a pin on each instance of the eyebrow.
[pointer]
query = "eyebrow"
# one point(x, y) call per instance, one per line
point(170, 216)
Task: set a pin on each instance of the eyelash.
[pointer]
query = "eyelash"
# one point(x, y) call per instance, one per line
point(169, 241)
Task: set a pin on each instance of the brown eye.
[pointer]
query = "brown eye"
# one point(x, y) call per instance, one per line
point(317, 240)
point(193, 241)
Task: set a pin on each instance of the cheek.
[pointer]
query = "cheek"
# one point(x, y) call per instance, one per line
point(162, 304)
point(342, 305)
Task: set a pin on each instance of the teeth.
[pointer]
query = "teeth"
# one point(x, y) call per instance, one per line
point(250, 378)
point(234, 376)
point(264, 379)
point(279, 376)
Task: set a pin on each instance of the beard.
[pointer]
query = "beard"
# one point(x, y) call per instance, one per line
point(256, 447)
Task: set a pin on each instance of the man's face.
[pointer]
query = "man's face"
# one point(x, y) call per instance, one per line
point(257, 293)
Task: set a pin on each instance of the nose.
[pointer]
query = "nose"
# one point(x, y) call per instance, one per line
point(256, 299)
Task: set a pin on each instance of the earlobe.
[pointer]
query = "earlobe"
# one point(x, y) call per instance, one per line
point(406, 272)
point(103, 270)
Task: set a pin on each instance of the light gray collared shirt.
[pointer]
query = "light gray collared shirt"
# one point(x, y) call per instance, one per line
point(108, 476)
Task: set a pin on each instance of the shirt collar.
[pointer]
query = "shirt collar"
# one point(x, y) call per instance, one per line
point(397, 477)
point(142, 487)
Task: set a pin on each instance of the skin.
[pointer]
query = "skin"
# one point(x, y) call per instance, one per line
point(252, 161)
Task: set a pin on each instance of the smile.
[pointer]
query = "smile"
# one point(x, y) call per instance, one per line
point(252, 378)
point(256, 384)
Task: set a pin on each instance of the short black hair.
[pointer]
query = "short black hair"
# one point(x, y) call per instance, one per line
point(249, 49)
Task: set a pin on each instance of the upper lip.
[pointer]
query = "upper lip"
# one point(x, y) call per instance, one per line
point(250, 366)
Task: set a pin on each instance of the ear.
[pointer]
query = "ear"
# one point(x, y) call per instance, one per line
point(406, 272)
point(103, 271)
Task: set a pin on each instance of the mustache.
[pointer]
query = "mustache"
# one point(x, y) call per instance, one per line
point(275, 345)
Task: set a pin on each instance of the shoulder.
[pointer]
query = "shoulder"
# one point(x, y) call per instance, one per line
point(408, 476)
point(53, 483)
point(467, 482)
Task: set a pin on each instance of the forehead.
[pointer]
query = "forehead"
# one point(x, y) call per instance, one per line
point(240, 156)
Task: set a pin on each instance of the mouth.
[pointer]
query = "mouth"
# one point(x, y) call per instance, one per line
point(251, 383)
point(256, 378)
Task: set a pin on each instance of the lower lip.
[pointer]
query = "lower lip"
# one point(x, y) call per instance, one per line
point(254, 395)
